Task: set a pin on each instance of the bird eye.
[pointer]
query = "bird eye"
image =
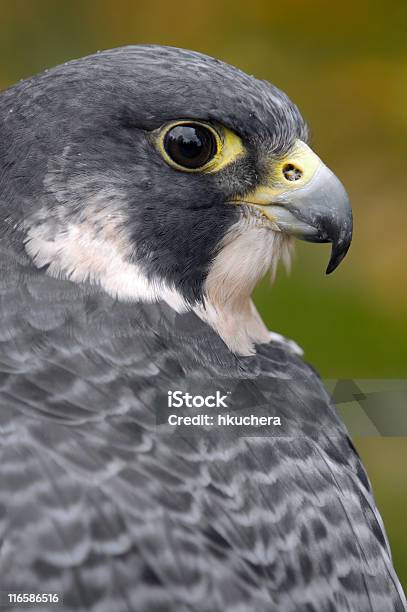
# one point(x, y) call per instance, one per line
point(191, 145)
point(196, 146)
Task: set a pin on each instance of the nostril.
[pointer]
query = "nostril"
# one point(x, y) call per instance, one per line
point(291, 172)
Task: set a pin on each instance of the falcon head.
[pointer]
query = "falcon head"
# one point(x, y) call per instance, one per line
point(158, 173)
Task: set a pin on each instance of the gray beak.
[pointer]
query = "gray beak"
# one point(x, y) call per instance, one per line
point(303, 198)
point(318, 212)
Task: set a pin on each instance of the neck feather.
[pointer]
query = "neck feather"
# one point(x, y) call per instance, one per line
point(248, 252)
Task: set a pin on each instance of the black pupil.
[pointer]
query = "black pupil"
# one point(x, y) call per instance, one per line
point(189, 145)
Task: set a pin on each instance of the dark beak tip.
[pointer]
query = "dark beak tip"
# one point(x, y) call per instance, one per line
point(337, 255)
point(331, 267)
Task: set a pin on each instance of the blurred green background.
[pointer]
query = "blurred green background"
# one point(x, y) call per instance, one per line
point(344, 64)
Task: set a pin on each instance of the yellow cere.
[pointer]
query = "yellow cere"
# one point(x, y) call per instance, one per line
point(301, 162)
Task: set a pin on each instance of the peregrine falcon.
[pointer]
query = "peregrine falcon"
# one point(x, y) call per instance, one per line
point(144, 191)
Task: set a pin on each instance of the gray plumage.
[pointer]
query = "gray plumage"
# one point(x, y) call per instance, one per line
point(98, 502)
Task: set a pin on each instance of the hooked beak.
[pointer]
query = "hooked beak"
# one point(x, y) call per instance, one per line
point(305, 199)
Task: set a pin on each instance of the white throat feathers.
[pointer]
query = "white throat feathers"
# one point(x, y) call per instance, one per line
point(248, 252)
point(95, 247)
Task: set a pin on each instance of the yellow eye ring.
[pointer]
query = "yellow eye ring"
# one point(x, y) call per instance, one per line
point(190, 145)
